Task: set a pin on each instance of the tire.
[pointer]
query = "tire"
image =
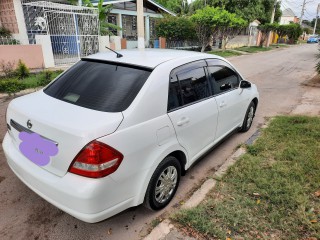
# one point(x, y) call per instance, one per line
point(170, 166)
point(247, 122)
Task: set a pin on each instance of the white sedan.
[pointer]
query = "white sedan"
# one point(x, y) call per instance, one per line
point(116, 131)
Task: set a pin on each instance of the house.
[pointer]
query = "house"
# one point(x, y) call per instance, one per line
point(124, 15)
point(288, 16)
point(68, 32)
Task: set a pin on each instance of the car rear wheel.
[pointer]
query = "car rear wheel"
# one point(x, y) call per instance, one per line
point(247, 122)
point(163, 184)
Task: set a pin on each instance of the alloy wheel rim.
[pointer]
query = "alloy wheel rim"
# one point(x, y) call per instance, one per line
point(250, 117)
point(166, 184)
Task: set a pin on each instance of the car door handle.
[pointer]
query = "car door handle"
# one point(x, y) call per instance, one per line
point(223, 104)
point(183, 121)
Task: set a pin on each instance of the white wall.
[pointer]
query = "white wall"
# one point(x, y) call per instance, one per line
point(45, 42)
point(104, 42)
point(286, 20)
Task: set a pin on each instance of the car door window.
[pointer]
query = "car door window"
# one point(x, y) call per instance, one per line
point(223, 78)
point(187, 86)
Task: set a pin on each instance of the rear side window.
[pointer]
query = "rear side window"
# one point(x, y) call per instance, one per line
point(99, 86)
point(194, 85)
point(188, 84)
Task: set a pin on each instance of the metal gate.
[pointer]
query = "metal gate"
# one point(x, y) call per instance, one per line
point(73, 30)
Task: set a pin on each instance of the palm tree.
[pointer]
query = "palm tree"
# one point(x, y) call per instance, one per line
point(103, 11)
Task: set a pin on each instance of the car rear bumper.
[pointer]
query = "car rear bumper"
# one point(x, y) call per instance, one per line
point(90, 200)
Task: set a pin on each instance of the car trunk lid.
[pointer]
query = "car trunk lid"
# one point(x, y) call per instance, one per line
point(67, 126)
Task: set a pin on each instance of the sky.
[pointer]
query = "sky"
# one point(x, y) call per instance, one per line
point(296, 6)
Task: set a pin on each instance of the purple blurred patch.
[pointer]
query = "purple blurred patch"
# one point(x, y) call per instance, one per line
point(36, 148)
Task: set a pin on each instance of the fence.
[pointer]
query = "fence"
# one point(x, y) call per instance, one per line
point(9, 41)
point(182, 44)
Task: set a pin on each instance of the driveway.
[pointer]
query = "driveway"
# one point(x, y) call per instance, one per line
point(278, 75)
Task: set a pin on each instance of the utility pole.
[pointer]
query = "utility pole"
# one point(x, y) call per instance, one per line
point(302, 11)
point(315, 24)
point(271, 21)
point(140, 24)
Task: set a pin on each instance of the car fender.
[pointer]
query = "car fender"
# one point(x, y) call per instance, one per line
point(165, 151)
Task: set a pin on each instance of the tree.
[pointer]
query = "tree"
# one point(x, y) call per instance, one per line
point(294, 31)
point(231, 25)
point(206, 24)
point(180, 7)
point(211, 21)
point(265, 29)
point(103, 12)
point(249, 10)
point(281, 30)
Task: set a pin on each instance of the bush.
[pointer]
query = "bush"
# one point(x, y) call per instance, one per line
point(4, 32)
point(7, 68)
point(11, 86)
point(292, 30)
point(22, 70)
point(176, 28)
point(46, 78)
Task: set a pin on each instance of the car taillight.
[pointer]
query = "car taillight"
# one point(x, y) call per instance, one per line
point(96, 160)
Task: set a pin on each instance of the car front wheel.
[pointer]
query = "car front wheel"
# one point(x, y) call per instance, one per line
point(163, 184)
point(247, 122)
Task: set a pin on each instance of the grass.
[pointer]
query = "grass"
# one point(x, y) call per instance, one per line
point(272, 192)
point(35, 79)
point(253, 49)
point(226, 53)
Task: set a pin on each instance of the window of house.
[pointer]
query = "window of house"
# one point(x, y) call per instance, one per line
point(113, 20)
point(152, 25)
point(129, 27)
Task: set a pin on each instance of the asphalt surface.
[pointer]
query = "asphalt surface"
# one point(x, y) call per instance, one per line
point(24, 215)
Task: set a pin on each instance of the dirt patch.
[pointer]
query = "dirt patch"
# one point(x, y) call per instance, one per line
point(313, 82)
point(2, 178)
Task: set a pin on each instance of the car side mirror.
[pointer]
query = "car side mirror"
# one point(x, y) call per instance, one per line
point(245, 84)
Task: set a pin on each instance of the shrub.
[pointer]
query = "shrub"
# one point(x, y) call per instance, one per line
point(11, 86)
point(176, 28)
point(4, 32)
point(294, 32)
point(46, 78)
point(7, 68)
point(22, 70)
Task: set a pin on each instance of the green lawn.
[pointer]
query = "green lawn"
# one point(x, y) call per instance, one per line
point(272, 192)
point(253, 49)
point(13, 84)
point(33, 80)
point(226, 53)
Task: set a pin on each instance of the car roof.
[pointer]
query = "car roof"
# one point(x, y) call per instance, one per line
point(149, 58)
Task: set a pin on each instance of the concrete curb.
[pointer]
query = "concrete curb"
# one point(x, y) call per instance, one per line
point(160, 231)
point(165, 227)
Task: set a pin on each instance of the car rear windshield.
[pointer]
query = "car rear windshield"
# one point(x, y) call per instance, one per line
point(99, 86)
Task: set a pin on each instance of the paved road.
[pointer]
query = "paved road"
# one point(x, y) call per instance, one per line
point(24, 215)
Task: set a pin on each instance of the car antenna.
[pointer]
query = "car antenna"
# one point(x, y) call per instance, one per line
point(118, 54)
